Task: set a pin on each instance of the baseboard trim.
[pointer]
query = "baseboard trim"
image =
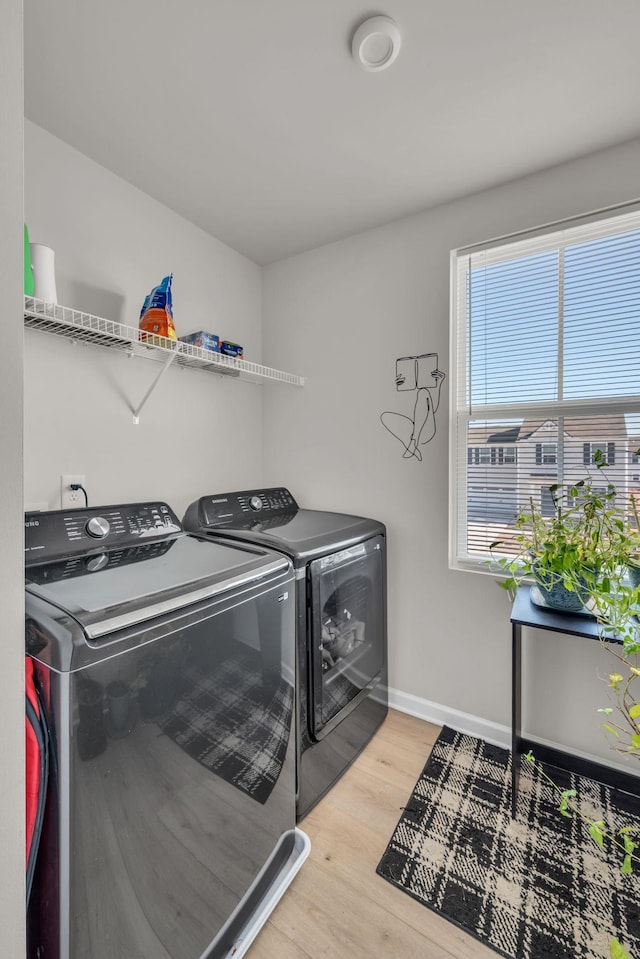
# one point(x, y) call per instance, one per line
point(446, 716)
point(494, 733)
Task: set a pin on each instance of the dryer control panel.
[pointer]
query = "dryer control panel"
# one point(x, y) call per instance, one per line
point(58, 533)
point(241, 509)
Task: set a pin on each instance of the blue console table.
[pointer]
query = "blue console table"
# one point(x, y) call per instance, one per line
point(526, 613)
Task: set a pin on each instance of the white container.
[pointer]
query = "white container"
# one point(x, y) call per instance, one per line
point(44, 272)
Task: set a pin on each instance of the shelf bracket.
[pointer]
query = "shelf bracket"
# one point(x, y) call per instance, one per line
point(166, 365)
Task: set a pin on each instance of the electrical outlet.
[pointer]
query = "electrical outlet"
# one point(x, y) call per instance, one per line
point(71, 498)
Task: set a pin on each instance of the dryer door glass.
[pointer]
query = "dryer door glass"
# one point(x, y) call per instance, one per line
point(347, 629)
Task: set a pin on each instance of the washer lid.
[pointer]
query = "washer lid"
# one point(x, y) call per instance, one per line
point(114, 589)
point(304, 535)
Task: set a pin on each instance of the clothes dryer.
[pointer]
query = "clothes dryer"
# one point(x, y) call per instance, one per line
point(341, 620)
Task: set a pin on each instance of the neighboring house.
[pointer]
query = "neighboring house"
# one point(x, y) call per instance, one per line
point(492, 474)
point(508, 468)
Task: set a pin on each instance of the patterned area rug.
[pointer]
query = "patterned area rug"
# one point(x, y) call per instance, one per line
point(222, 721)
point(537, 887)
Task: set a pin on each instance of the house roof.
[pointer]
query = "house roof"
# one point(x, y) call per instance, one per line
point(506, 436)
point(611, 426)
point(600, 428)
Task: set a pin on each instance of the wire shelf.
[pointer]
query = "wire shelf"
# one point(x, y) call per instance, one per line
point(98, 331)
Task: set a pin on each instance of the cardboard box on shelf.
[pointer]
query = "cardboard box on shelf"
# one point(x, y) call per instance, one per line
point(232, 349)
point(206, 341)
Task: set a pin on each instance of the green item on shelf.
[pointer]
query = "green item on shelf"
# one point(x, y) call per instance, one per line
point(29, 282)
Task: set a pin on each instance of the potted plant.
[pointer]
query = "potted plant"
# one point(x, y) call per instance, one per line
point(633, 562)
point(589, 551)
point(580, 552)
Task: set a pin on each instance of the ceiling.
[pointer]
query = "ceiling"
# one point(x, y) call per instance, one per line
point(250, 118)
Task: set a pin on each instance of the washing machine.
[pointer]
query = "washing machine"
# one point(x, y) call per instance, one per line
point(341, 620)
point(165, 666)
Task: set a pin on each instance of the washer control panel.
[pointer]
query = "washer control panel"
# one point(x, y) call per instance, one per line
point(77, 564)
point(241, 509)
point(58, 533)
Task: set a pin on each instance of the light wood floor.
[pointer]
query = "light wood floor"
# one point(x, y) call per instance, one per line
point(337, 906)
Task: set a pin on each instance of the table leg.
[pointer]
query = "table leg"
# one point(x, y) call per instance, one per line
point(516, 698)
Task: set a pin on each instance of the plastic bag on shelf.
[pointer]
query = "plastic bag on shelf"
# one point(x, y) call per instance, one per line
point(156, 315)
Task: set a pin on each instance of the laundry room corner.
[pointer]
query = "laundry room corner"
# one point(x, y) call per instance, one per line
point(112, 244)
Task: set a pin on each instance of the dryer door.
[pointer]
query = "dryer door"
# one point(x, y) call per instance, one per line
point(347, 624)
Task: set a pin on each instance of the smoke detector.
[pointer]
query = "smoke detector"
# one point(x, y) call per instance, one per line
point(376, 43)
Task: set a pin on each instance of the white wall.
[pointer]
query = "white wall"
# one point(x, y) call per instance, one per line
point(199, 432)
point(340, 315)
point(12, 890)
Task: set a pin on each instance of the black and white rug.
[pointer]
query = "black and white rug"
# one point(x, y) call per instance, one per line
point(536, 887)
point(223, 722)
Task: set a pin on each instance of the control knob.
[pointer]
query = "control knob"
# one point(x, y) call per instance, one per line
point(255, 503)
point(94, 563)
point(98, 527)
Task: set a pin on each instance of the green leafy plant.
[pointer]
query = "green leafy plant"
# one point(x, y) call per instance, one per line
point(585, 546)
point(616, 606)
point(622, 720)
point(621, 840)
point(590, 547)
point(568, 807)
point(618, 951)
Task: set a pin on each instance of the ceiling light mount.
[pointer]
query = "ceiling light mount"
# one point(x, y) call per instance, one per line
point(376, 43)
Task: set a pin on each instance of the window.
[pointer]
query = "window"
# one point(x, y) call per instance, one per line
point(545, 371)
point(507, 455)
point(547, 501)
point(590, 451)
point(547, 454)
point(503, 456)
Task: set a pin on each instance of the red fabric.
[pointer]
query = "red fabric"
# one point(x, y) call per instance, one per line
point(32, 756)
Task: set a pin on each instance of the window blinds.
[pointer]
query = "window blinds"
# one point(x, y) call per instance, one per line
point(546, 371)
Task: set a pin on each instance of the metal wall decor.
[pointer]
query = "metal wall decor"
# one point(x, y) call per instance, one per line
point(417, 427)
